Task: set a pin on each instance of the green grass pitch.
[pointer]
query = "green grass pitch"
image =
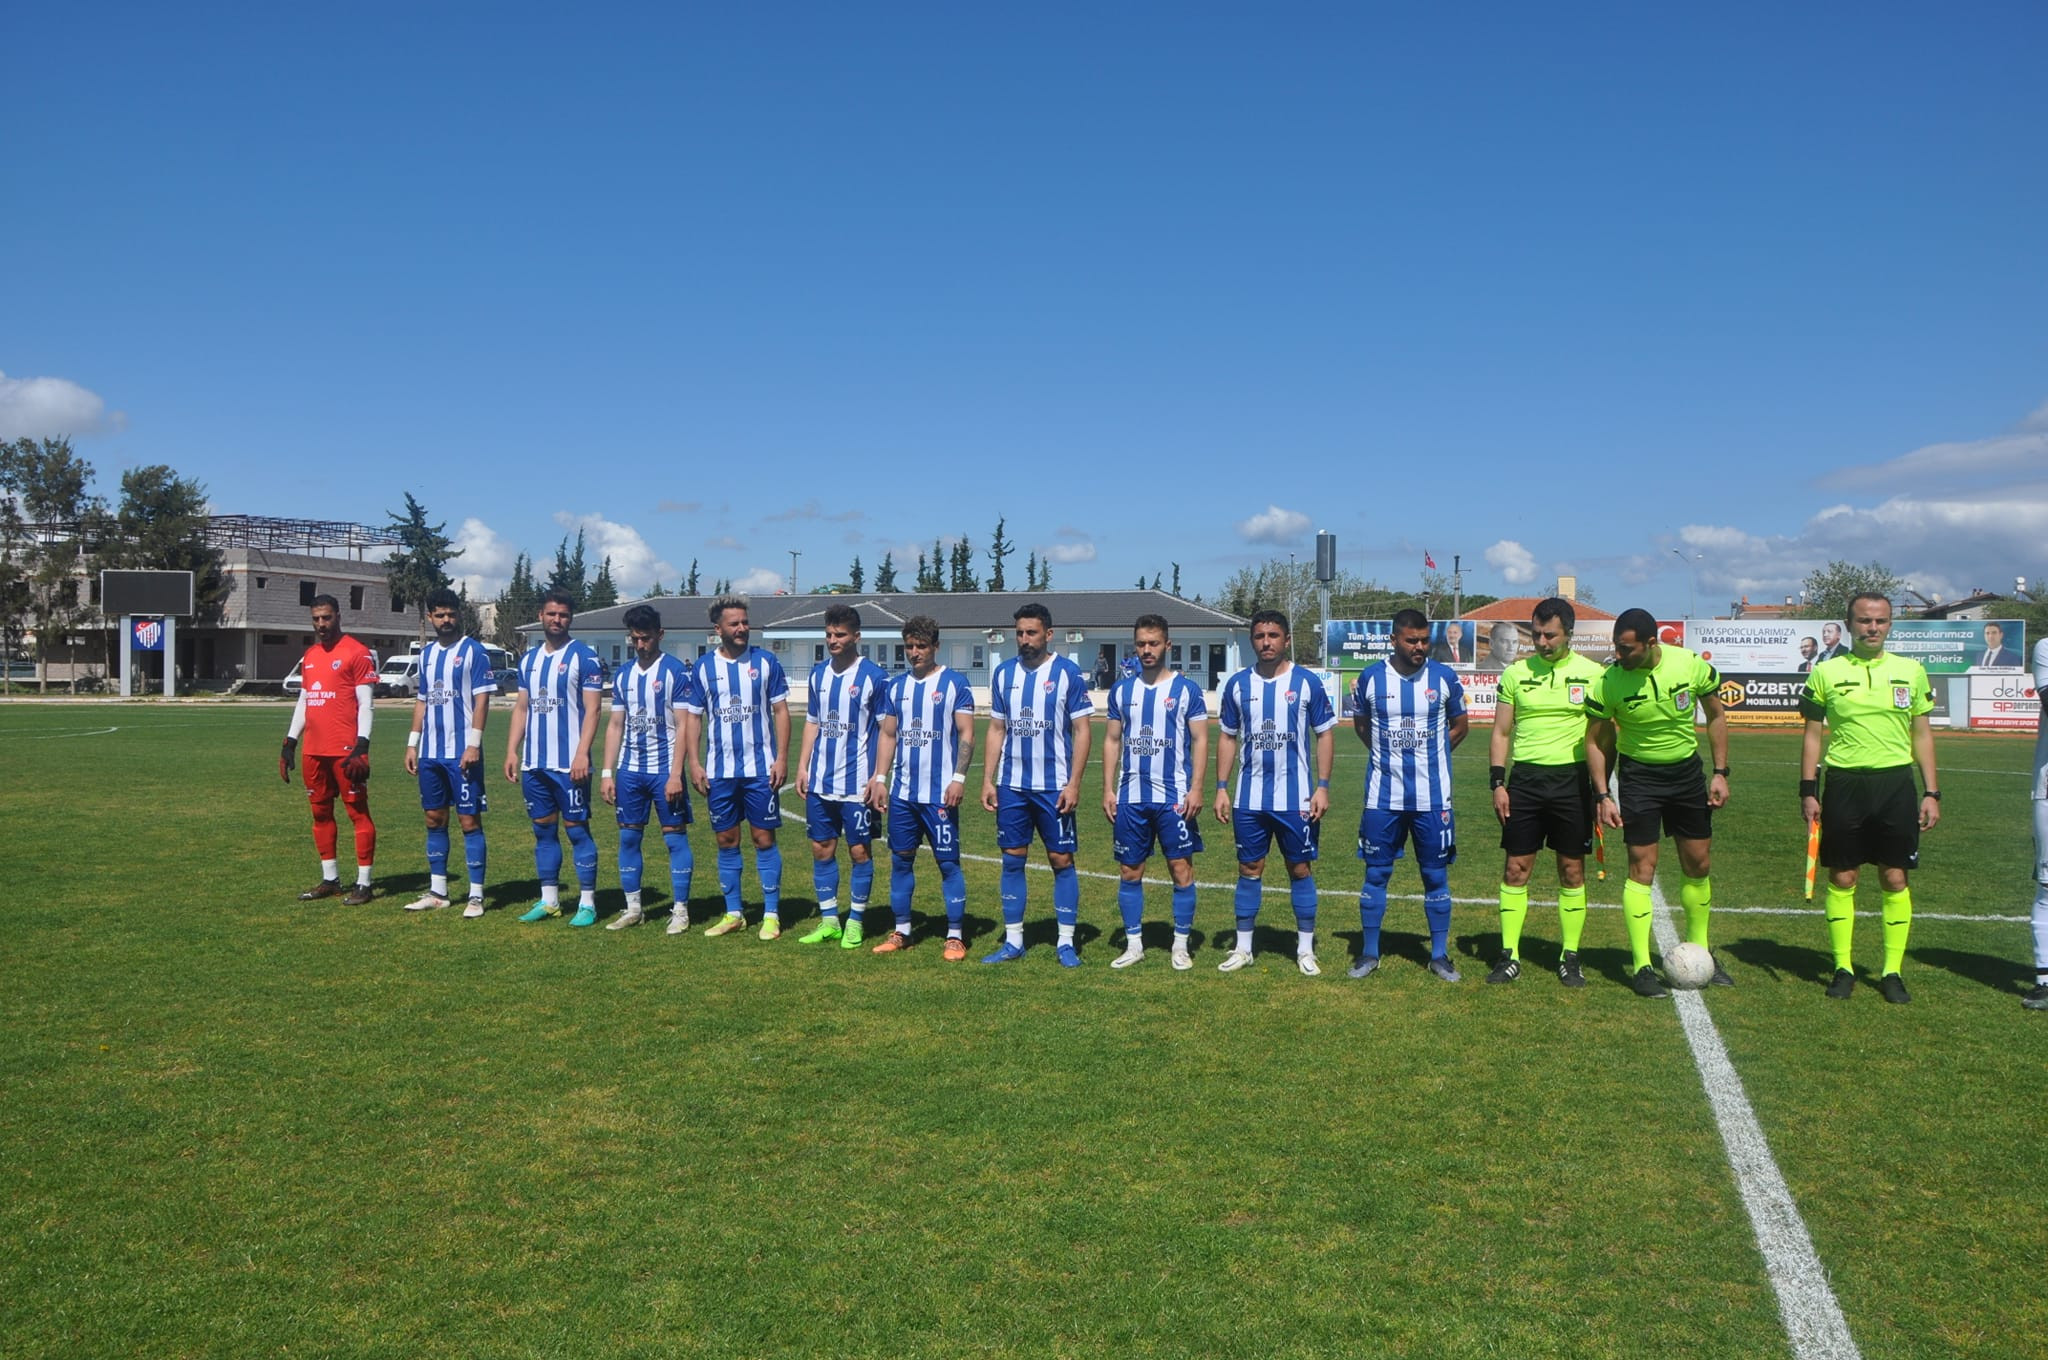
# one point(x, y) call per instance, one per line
point(235, 1126)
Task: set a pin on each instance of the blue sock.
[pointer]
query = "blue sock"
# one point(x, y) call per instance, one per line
point(1372, 907)
point(1183, 909)
point(547, 853)
point(768, 864)
point(825, 883)
point(437, 851)
point(953, 888)
point(1302, 893)
point(681, 864)
point(1066, 895)
point(902, 885)
point(863, 883)
point(584, 847)
point(629, 858)
point(1247, 902)
point(1013, 889)
point(729, 877)
point(473, 850)
point(1130, 900)
point(1436, 906)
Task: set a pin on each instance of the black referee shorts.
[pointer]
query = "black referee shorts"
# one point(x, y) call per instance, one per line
point(1664, 800)
point(1870, 817)
point(1548, 804)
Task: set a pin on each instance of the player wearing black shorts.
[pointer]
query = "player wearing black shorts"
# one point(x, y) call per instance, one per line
point(1867, 711)
point(1539, 721)
point(1644, 708)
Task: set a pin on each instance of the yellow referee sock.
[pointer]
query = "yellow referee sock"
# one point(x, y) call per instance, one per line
point(1898, 923)
point(1841, 910)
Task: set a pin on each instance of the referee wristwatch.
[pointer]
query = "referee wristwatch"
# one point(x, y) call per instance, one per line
point(1722, 770)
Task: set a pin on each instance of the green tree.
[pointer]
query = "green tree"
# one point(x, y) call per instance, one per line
point(999, 548)
point(472, 617)
point(568, 575)
point(1031, 570)
point(961, 561)
point(56, 527)
point(518, 603)
point(161, 526)
point(603, 592)
point(421, 563)
point(690, 583)
point(857, 576)
point(1176, 580)
point(885, 574)
point(1829, 589)
point(654, 590)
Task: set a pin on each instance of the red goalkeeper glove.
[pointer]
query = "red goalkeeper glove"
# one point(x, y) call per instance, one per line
point(355, 766)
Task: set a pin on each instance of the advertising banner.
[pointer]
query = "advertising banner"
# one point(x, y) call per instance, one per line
point(2004, 703)
point(1354, 643)
point(1955, 646)
point(1754, 700)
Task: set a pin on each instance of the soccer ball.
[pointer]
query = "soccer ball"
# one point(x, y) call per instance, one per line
point(1689, 967)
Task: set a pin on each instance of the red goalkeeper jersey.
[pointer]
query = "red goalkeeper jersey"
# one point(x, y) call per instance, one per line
point(331, 676)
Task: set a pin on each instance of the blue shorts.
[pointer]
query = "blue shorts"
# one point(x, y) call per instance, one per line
point(640, 790)
point(1300, 839)
point(753, 799)
point(1382, 836)
point(828, 819)
point(1019, 812)
point(551, 791)
point(443, 784)
point(936, 823)
point(1138, 826)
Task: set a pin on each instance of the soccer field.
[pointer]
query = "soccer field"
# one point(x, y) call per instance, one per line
point(235, 1125)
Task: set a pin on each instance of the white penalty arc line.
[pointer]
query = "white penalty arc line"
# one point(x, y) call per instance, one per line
point(1806, 1302)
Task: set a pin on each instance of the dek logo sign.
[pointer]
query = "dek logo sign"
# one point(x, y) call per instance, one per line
point(149, 635)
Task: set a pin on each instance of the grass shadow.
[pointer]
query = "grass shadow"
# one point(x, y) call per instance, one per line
point(1780, 960)
point(1999, 972)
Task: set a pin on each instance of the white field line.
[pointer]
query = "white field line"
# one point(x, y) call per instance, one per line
point(1806, 1303)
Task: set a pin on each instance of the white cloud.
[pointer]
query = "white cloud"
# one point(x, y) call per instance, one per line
point(1943, 545)
point(1067, 553)
point(44, 408)
point(486, 562)
point(727, 544)
point(635, 564)
point(1943, 467)
point(679, 507)
point(1515, 563)
point(1274, 525)
point(760, 581)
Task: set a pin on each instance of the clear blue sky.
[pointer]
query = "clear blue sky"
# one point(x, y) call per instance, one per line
point(1555, 289)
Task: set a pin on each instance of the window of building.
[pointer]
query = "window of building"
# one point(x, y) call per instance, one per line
point(818, 652)
point(980, 656)
point(307, 590)
point(355, 598)
point(274, 639)
point(262, 581)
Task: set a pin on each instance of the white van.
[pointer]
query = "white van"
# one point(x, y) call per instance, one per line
point(400, 677)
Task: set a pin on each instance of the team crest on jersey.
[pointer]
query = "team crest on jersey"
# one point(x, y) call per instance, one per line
point(1169, 704)
point(1429, 696)
point(1048, 687)
point(753, 673)
point(334, 665)
point(1575, 694)
point(1290, 696)
point(1444, 815)
point(1902, 696)
point(1682, 701)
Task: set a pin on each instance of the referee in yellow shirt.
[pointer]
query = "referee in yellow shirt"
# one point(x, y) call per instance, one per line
point(1867, 713)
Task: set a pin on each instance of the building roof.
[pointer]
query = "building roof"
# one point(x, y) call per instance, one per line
point(1516, 609)
point(973, 610)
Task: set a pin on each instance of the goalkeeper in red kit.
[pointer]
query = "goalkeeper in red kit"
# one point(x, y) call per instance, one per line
point(334, 716)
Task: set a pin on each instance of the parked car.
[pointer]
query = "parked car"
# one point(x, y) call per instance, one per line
point(399, 678)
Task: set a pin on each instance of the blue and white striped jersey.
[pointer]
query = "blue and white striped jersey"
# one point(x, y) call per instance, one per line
point(554, 684)
point(1158, 768)
point(927, 746)
point(1037, 708)
point(1411, 734)
point(450, 680)
point(846, 708)
point(1276, 723)
point(737, 700)
point(646, 699)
